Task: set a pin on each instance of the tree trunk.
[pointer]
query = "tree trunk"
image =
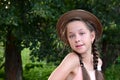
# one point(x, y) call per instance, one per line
point(13, 62)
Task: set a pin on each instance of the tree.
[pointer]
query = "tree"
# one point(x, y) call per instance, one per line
point(10, 19)
point(23, 24)
point(15, 33)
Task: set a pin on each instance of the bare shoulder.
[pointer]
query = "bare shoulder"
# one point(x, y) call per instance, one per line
point(65, 68)
point(71, 59)
point(72, 56)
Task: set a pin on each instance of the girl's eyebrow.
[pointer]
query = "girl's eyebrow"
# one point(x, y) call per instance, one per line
point(81, 29)
point(78, 30)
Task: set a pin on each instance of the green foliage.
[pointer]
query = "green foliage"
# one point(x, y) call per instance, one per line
point(2, 74)
point(110, 43)
point(1, 55)
point(38, 71)
point(33, 24)
point(25, 54)
point(35, 70)
point(113, 72)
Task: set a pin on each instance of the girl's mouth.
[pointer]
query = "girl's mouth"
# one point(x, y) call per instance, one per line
point(78, 46)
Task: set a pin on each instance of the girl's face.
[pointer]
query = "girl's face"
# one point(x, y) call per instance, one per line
point(80, 37)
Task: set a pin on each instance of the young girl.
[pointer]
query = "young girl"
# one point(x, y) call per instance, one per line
point(80, 30)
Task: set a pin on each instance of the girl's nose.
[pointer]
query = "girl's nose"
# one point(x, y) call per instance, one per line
point(77, 39)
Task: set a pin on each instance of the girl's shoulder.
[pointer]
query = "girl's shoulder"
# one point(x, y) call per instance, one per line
point(72, 57)
point(70, 61)
point(65, 68)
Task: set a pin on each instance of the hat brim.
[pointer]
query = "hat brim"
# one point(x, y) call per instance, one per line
point(82, 14)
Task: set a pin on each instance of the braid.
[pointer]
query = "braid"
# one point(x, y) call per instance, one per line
point(98, 74)
point(95, 55)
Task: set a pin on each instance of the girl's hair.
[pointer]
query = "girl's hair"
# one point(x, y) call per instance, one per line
point(98, 74)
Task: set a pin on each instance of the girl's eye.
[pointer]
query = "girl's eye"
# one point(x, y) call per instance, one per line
point(82, 33)
point(71, 36)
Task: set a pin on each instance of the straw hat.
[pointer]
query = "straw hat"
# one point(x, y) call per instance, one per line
point(61, 24)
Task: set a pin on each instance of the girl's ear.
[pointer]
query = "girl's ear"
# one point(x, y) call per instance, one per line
point(92, 36)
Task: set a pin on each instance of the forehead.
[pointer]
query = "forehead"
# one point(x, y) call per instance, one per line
point(76, 25)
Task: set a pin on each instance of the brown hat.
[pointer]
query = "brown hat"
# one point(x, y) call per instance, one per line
point(66, 17)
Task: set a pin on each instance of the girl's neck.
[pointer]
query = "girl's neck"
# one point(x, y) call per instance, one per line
point(87, 60)
point(87, 57)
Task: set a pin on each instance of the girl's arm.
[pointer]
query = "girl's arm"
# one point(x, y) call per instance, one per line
point(64, 69)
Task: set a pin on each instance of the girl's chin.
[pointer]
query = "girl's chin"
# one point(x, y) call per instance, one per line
point(80, 51)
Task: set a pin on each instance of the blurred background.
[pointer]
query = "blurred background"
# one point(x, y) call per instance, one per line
point(30, 48)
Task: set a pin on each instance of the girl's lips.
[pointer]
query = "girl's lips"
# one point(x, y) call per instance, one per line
point(78, 46)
